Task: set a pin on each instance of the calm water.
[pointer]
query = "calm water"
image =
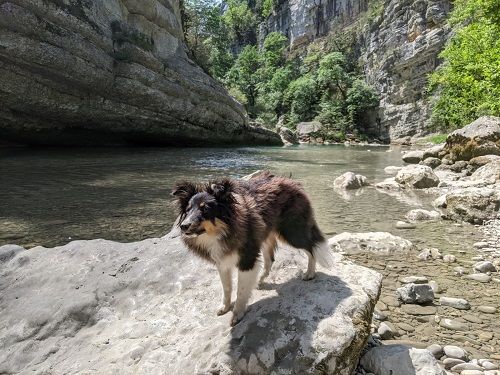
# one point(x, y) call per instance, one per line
point(49, 197)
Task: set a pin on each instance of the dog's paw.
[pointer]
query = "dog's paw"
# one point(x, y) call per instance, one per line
point(308, 276)
point(237, 316)
point(224, 309)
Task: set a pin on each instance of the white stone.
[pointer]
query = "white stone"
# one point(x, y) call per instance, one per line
point(449, 258)
point(417, 176)
point(453, 351)
point(481, 277)
point(413, 157)
point(457, 303)
point(422, 215)
point(415, 293)
point(375, 242)
point(349, 181)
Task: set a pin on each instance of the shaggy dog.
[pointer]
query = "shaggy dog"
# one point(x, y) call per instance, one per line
point(232, 222)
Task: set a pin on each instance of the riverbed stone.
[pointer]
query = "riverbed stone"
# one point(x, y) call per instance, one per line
point(350, 181)
point(400, 359)
point(450, 362)
point(431, 162)
point(415, 293)
point(466, 366)
point(422, 215)
point(414, 279)
point(479, 161)
point(453, 351)
point(471, 372)
point(474, 204)
point(457, 303)
point(418, 310)
point(454, 325)
point(487, 365)
point(434, 151)
point(106, 307)
point(489, 172)
point(485, 266)
point(435, 286)
point(481, 277)
point(417, 176)
point(375, 242)
point(413, 157)
point(449, 258)
point(436, 350)
point(386, 330)
point(487, 309)
point(405, 225)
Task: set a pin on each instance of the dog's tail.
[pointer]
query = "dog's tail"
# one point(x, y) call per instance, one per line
point(321, 250)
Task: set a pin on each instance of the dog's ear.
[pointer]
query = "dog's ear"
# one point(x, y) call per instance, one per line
point(183, 191)
point(221, 189)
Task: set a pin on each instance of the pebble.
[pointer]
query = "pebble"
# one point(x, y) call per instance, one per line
point(379, 315)
point(406, 327)
point(404, 225)
point(480, 245)
point(391, 301)
point(457, 303)
point(465, 366)
point(481, 277)
point(436, 350)
point(414, 279)
point(450, 362)
point(485, 266)
point(453, 351)
point(472, 318)
point(472, 372)
point(449, 258)
point(415, 293)
point(435, 286)
point(491, 372)
point(419, 310)
point(485, 336)
point(453, 325)
point(487, 365)
point(459, 271)
point(386, 330)
point(487, 309)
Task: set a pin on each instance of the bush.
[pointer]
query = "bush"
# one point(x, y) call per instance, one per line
point(301, 98)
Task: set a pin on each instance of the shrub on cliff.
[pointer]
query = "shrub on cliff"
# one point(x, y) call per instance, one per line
point(468, 82)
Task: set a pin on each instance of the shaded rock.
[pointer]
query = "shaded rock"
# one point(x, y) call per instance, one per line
point(160, 280)
point(415, 293)
point(436, 350)
point(458, 166)
point(481, 137)
point(457, 303)
point(400, 359)
point(417, 176)
point(350, 180)
point(481, 277)
point(450, 362)
point(453, 351)
point(488, 172)
point(431, 162)
point(454, 325)
point(422, 215)
point(474, 205)
point(479, 161)
point(485, 266)
point(288, 136)
point(375, 242)
point(379, 315)
point(413, 157)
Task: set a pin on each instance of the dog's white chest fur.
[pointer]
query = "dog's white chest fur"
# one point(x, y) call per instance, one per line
point(213, 246)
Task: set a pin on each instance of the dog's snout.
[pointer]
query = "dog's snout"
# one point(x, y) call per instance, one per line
point(185, 226)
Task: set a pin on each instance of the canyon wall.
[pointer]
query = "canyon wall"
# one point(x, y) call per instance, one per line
point(82, 72)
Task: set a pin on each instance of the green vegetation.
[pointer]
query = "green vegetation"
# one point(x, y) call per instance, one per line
point(437, 139)
point(468, 82)
point(321, 84)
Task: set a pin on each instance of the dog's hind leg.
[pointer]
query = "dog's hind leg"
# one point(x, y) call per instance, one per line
point(268, 256)
point(246, 283)
point(227, 286)
point(311, 267)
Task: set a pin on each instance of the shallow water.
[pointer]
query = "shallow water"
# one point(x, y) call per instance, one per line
point(52, 196)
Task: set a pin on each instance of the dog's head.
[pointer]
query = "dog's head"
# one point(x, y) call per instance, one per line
point(204, 208)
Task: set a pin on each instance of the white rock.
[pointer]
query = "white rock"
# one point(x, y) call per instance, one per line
point(417, 176)
point(422, 215)
point(449, 258)
point(413, 157)
point(453, 351)
point(376, 242)
point(457, 303)
point(488, 172)
point(415, 293)
point(414, 279)
point(465, 366)
point(436, 350)
point(487, 365)
point(401, 360)
point(404, 225)
point(349, 181)
point(433, 152)
point(155, 304)
point(471, 372)
point(435, 286)
point(481, 277)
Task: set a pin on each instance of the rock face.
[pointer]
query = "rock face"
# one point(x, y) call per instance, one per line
point(150, 307)
point(481, 137)
point(399, 42)
point(109, 72)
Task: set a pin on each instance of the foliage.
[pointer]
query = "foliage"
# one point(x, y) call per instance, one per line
point(468, 82)
point(267, 8)
point(437, 139)
point(239, 18)
point(301, 98)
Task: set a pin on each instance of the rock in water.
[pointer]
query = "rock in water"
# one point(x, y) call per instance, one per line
point(415, 293)
point(400, 360)
point(109, 72)
point(481, 137)
point(287, 136)
point(350, 180)
point(419, 214)
point(474, 205)
point(375, 242)
point(107, 307)
point(417, 176)
point(413, 157)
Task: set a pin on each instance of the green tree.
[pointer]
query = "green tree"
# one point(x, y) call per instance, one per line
point(332, 75)
point(239, 18)
point(468, 82)
point(360, 99)
point(301, 98)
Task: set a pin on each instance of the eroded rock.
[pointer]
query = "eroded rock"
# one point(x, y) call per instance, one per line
point(376, 242)
point(417, 176)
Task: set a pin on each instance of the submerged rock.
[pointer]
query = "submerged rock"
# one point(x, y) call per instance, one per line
point(107, 307)
point(349, 181)
point(376, 242)
point(481, 137)
point(401, 360)
point(417, 176)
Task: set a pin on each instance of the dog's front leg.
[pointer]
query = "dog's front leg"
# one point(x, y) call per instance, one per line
point(227, 287)
point(246, 283)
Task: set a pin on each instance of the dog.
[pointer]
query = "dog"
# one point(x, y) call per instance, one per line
point(236, 223)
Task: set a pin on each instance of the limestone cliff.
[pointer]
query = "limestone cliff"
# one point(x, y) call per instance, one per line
point(114, 71)
point(398, 43)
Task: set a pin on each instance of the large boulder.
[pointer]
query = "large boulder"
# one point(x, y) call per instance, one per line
point(417, 176)
point(287, 136)
point(110, 72)
point(375, 242)
point(150, 307)
point(479, 161)
point(434, 151)
point(481, 137)
point(349, 181)
point(474, 205)
point(400, 360)
point(488, 172)
point(306, 130)
point(413, 157)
